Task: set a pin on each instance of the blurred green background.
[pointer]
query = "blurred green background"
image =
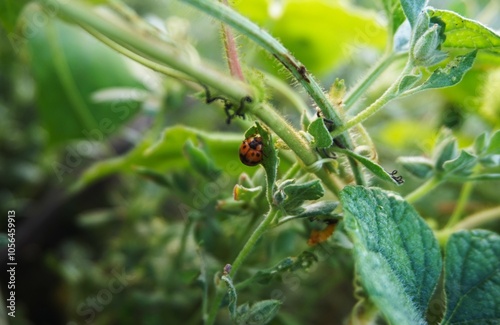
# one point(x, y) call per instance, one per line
point(126, 250)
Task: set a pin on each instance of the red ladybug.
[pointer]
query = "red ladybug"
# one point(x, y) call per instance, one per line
point(251, 151)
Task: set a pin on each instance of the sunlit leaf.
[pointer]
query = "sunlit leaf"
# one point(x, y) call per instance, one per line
point(466, 33)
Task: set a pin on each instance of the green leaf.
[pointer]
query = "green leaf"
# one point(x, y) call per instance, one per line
point(449, 75)
point(372, 166)
point(407, 82)
point(397, 258)
point(201, 161)
point(159, 178)
point(472, 278)
point(245, 194)
point(420, 167)
point(426, 51)
point(167, 154)
point(265, 276)
point(394, 13)
point(466, 33)
point(412, 9)
point(262, 312)
point(446, 150)
point(270, 161)
point(67, 74)
point(494, 144)
point(322, 138)
point(490, 154)
point(402, 37)
point(318, 209)
point(294, 195)
point(481, 143)
point(9, 14)
point(462, 165)
point(233, 296)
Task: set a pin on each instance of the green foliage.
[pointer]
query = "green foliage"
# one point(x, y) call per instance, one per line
point(449, 75)
point(472, 278)
point(63, 58)
point(450, 163)
point(9, 13)
point(412, 9)
point(466, 33)
point(303, 224)
point(397, 258)
point(316, 42)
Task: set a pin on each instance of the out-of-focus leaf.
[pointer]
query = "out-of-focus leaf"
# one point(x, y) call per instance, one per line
point(9, 14)
point(466, 33)
point(167, 154)
point(394, 13)
point(233, 296)
point(402, 37)
point(67, 73)
point(420, 167)
point(472, 278)
point(446, 150)
point(462, 165)
point(494, 145)
point(201, 161)
point(397, 257)
point(261, 312)
point(307, 29)
point(412, 9)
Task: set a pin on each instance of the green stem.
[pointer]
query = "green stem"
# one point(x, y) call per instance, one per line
point(142, 60)
point(462, 202)
point(287, 92)
point(294, 141)
point(292, 171)
point(270, 44)
point(171, 56)
point(368, 80)
point(151, 47)
point(231, 51)
point(386, 97)
point(245, 251)
point(470, 222)
point(478, 219)
point(423, 190)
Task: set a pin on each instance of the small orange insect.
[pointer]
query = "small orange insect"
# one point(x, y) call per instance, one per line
point(251, 150)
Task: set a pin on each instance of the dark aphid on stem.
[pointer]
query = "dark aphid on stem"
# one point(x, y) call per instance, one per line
point(228, 105)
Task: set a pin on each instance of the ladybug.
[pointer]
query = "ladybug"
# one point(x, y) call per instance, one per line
point(251, 151)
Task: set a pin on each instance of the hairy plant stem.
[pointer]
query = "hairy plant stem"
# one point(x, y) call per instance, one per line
point(360, 88)
point(231, 51)
point(243, 254)
point(298, 70)
point(152, 48)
